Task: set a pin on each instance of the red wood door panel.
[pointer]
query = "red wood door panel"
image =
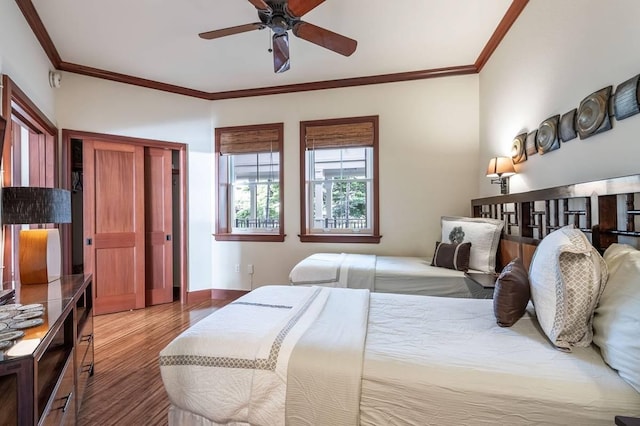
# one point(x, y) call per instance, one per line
point(159, 241)
point(114, 224)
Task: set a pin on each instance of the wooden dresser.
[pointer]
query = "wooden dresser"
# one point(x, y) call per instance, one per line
point(44, 373)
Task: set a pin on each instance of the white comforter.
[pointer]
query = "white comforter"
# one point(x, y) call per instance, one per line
point(383, 274)
point(343, 270)
point(233, 367)
point(427, 361)
point(444, 361)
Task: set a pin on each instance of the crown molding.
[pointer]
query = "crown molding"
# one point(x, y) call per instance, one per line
point(34, 21)
point(517, 6)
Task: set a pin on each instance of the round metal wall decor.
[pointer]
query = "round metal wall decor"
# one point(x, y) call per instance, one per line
point(593, 114)
point(547, 136)
point(518, 152)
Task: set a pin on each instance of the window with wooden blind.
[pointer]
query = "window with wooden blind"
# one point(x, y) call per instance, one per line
point(249, 168)
point(339, 180)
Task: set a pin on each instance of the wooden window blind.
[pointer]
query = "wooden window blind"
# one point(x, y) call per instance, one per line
point(242, 140)
point(353, 134)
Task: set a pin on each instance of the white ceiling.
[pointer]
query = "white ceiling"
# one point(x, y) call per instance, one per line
point(158, 39)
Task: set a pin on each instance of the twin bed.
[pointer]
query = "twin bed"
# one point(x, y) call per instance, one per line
point(411, 275)
point(423, 360)
point(317, 355)
point(382, 274)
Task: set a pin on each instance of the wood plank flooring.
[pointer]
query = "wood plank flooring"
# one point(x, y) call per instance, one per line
point(126, 388)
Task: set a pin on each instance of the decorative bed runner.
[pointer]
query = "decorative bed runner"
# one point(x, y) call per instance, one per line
point(325, 367)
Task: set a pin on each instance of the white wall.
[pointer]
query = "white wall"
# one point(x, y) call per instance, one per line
point(556, 54)
point(22, 59)
point(94, 105)
point(428, 159)
point(428, 151)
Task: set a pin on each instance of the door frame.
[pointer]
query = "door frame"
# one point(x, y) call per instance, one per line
point(66, 164)
point(17, 106)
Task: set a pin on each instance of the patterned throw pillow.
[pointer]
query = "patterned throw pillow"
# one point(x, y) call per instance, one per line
point(511, 294)
point(452, 256)
point(567, 276)
point(482, 233)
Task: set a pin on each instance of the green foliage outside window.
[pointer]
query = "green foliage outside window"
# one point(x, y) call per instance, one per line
point(349, 200)
point(267, 202)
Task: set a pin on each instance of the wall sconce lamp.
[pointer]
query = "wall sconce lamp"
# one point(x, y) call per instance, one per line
point(500, 169)
point(40, 259)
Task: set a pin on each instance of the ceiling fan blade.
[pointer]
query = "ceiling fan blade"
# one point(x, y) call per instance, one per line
point(300, 7)
point(325, 38)
point(281, 52)
point(261, 5)
point(209, 35)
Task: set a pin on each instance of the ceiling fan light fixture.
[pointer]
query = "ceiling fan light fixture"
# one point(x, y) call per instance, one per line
point(279, 24)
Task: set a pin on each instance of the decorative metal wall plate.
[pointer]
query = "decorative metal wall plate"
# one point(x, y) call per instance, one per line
point(547, 137)
point(627, 99)
point(530, 145)
point(568, 126)
point(518, 152)
point(593, 114)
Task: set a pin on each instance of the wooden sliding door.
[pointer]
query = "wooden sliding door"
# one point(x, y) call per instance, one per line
point(114, 224)
point(159, 222)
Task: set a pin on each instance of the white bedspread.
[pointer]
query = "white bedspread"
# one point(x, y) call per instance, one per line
point(383, 274)
point(444, 361)
point(335, 270)
point(231, 367)
point(427, 361)
point(240, 364)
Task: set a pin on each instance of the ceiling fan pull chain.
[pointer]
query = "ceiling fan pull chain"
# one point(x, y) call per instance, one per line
point(270, 49)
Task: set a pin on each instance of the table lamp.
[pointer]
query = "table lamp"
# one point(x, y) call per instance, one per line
point(40, 259)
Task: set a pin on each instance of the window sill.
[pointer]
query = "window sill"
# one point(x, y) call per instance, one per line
point(273, 238)
point(340, 238)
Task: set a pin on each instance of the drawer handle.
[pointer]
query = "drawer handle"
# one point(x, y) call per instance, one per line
point(87, 338)
point(66, 402)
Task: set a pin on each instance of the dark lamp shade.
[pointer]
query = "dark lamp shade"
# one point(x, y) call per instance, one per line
point(500, 167)
point(33, 205)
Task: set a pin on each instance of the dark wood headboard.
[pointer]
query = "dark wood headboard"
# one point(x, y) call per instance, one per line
point(608, 211)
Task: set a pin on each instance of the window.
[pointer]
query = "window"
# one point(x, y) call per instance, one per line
point(28, 159)
point(250, 192)
point(339, 180)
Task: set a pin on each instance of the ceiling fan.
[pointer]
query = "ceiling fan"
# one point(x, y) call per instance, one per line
point(282, 16)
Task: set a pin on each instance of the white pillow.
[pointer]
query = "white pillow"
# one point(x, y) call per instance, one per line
point(482, 233)
point(616, 323)
point(567, 276)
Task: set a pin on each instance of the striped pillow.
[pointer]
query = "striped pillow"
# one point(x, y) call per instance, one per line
point(452, 256)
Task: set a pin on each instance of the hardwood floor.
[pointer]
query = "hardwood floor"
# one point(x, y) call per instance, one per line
point(126, 388)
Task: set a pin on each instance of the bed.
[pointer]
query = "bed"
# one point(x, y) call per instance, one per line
point(316, 355)
point(425, 360)
point(384, 274)
point(412, 275)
